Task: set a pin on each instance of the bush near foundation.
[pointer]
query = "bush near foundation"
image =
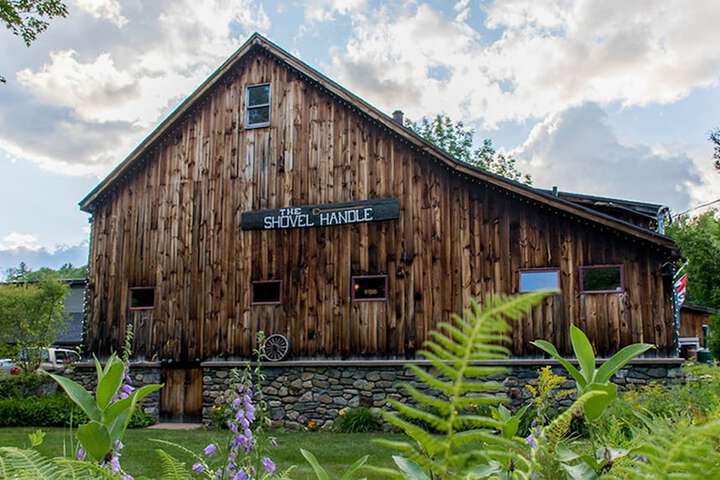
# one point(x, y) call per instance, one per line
point(357, 420)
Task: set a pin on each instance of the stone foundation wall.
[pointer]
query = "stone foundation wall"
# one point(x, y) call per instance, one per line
point(300, 392)
point(141, 373)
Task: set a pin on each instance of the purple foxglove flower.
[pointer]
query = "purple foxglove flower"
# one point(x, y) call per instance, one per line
point(80, 454)
point(268, 465)
point(244, 422)
point(210, 450)
point(530, 439)
point(119, 445)
point(198, 468)
point(127, 389)
point(247, 400)
point(232, 426)
point(241, 475)
point(239, 415)
point(236, 403)
point(115, 464)
point(250, 412)
point(123, 395)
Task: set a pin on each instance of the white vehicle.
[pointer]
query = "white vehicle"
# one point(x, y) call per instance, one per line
point(58, 358)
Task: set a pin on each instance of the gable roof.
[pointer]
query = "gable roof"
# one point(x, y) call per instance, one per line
point(258, 41)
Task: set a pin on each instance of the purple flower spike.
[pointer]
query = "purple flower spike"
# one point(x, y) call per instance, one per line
point(531, 441)
point(80, 454)
point(268, 465)
point(115, 464)
point(241, 475)
point(198, 468)
point(210, 450)
point(244, 422)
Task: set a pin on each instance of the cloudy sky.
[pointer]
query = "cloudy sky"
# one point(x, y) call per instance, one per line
point(610, 98)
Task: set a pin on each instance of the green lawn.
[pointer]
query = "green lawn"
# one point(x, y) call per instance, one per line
point(334, 450)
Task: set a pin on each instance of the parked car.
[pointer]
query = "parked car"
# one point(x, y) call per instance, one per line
point(8, 367)
point(52, 359)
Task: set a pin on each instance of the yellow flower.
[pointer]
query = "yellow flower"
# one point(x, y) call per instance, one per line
point(343, 412)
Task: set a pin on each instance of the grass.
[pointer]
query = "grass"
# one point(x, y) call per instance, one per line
point(335, 451)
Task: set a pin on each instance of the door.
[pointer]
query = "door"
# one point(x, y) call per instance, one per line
point(181, 397)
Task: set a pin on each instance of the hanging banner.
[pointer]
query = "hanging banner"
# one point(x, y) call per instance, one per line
point(326, 215)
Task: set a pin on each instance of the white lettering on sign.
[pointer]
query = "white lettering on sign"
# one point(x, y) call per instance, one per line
point(295, 218)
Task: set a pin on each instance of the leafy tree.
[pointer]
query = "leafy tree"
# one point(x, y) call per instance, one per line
point(715, 140)
point(699, 242)
point(22, 273)
point(28, 18)
point(457, 140)
point(32, 316)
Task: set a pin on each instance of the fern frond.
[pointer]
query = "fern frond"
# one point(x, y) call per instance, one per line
point(28, 464)
point(172, 468)
point(673, 449)
point(449, 433)
point(82, 470)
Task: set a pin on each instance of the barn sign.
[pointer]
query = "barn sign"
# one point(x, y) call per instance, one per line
point(326, 215)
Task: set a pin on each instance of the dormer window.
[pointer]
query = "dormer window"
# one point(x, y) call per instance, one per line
point(257, 110)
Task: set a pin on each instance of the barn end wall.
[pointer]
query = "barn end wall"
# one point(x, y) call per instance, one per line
point(300, 392)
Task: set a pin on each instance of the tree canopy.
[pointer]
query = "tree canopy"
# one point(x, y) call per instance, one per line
point(22, 273)
point(715, 140)
point(457, 140)
point(32, 315)
point(28, 18)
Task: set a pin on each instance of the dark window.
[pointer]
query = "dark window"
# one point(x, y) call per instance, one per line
point(540, 279)
point(266, 292)
point(606, 278)
point(258, 106)
point(142, 298)
point(369, 287)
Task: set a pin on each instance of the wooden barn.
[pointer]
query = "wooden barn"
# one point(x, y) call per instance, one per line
point(274, 199)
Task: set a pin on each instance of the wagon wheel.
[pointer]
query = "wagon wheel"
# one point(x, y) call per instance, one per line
point(276, 347)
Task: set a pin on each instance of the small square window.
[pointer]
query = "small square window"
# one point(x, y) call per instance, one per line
point(539, 279)
point(258, 106)
point(142, 298)
point(369, 288)
point(602, 279)
point(266, 292)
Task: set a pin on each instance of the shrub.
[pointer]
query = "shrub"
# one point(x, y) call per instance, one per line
point(52, 411)
point(26, 385)
point(357, 420)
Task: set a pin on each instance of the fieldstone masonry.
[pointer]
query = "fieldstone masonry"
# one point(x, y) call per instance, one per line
point(298, 393)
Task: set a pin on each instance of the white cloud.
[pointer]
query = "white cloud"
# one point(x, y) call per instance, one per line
point(549, 56)
point(104, 9)
point(90, 109)
point(578, 151)
point(324, 10)
point(16, 241)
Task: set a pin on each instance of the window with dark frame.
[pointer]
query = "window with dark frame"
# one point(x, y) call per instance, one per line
point(602, 279)
point(257, 109)
point(142, 298)
point(534, 279)
point(369, 288)
point(266, 292)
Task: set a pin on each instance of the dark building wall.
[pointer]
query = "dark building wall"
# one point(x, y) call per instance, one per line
point(174, 224)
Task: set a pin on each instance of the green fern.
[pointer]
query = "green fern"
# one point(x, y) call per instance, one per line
point(455, 435)
point(27, 464)
point(673, 449)
point(172, 468)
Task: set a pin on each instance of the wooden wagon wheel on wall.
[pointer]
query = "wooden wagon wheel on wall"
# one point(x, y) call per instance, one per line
point(276, 347)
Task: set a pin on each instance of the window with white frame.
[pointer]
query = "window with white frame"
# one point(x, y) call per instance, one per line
point(257, 106)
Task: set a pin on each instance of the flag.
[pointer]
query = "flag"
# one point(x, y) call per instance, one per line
point(680, 289)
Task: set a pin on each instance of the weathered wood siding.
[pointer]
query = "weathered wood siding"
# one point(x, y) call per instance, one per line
point(691, 323)
point(175, 224)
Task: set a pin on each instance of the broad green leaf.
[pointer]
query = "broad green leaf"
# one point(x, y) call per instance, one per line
point(115, 409)
point(108, 386)
point(584, 353)
point(320, 472)
point(354, 467)
point(596, 405)
point(550, 349)
point(619, 360)
point(581, 471)
point(79, 395)
point(94, 439)
point(98, 369)
point(412, 470)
